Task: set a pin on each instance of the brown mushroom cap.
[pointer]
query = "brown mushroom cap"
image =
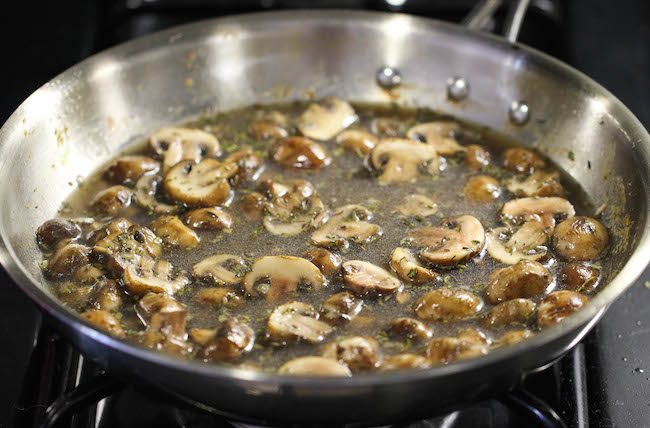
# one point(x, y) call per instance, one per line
point(364, 278)
point(462, 239)
point(409, 328)
point(544, 210)
point(301, 153)
point(580, 277)
point(145, 195)
point(112, 200)
point(522, 160)
point(580, 239)
point(524, 279)
point(343, 225)
point(314, 366)
point(324, 120)
point(482, 189)
point(404, 362)
point(444, 350)
point(476, 157)
point(439, 135)
point(204, 184)
point(357, 141)
point(328, 262)
point(249, 165)
point(558, 305)
point(445, 304)
point(208, 218)
point(515, 311)
point(53, 231)
point(104, 320)
point(173, 232)
point(218, 297)
point(514, 336)
point(407, 268)
point(232, 339)
point(277, 276)
point(356, 352)
point(66, 260)
point(265, 129)
point(150, 276)
point(399, 158)
point(539, 183)
point(341, 306)
point(130, 168)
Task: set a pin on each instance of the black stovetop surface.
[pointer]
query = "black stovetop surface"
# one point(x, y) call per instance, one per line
point(609, 41)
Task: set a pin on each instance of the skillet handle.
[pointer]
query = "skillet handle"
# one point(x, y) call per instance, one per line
point(479, 17)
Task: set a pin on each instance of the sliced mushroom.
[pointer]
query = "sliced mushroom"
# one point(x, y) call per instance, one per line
point(104, 320)
point(73, 295)
point(340, 307)
point(364, 278)
point(145, 195)
point(356, 352)
point(409, 328)
point(291, 213)
point(300, 153)
point(113, 227)
point(221, 269)
point(418, 206)
point(122, 248)
point(457, 242)
point(445, 304)
point(232, 339)
point(204, 184)
point(439, 134)
point(265, 129)
point(54, 231)
point(249, 165)
point(314, 366)
point(112, 200)
point(163, 313)
point(89, 275)
point(253, 205)
point(66, 260)
point(404, 362)
point(297, 321)
point(544, 210)
point(514, 336)
point(580, 277)
point(179, 144)
point(128, 169)
point(202, 336)
point(328, 262)
point(527, 243)
point(444, 350)
point(407, 268)
point(208, 218)
point(522, 160)
point(524, 279)
point(482, 189)
point(150, 276)
point(107, 296)
point(174, 233)
point(399, 159)
point(386, 127)
point(350, 223)
point(539, 183)
point(357, 141)
point(324, 120)
point(580, 239)
point(277, 276)
point(557, 306)
point(476, 157)
point(218, 297)
point(515, 311)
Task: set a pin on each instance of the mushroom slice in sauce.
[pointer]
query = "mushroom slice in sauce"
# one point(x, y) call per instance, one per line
point(527, 243)
point(364, 278)
point(297, 321)
point(444, 350)
point(514, 336)
point(476, 157)
point(314, 366)
point(179, 144)
point(482, 189)
point(543, 210)
point(324, 120)
point(445, 304)
point(580, 239)
point(463, 238)
point(418, 206)
point(559, 305)
point(398, 159)
point(345, 224)
point(357, 141)
point(107, 295)
point(290, 215)
point(406, 266)
point(204, 184)
point(515, 311)
point(524, 279)
point(66, 260)
point(539, 183)
point(265, 129)
point(173, 232)
point(221, 269)
point(53, 231)
point(104, 320)
point(404, 362)
point(125, 245)
point(356, 352)
point(343, 306)
point(328, 262)
point(249, 165)
point(208, 218)
point(580, 277)
point(232, 339)
point(439, 135)
point(161, 312)
point(128, 169)
point(409, 328)
point(152, 276)
point(218, 297)
point(277, 276)
point(522, 160)
point(112, 200)
point(300, 153)
point(145, 195)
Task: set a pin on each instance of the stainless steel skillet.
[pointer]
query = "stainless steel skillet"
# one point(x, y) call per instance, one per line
point(86, 115)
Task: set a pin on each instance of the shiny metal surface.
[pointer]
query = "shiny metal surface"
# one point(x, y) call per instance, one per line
point(80, 119)
point(457, 88)
point(388, 77)
point(518, 112)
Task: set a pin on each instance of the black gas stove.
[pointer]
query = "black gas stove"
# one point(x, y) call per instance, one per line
point(603, 382)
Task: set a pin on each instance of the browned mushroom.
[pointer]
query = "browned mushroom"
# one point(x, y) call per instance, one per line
point(180, 144)
point(204, 184)
point(476, 157)
point(53, 231)
point(112, 200)
point(526, 243)
point(297, 321)
point(580, 277)
point(174, 233)
point(107, 295)
point(218, 297)
point(407, 268)
point(444, 350)
point(339, 227)
point(104, 320)
point(277, 276)
point(404, 362)
point(482, 189)
point(439, 134)
point(522, 160)
point(265, 129)
point(300, 153)
point(152, 276)
point(539, 183)
point(357, 141)
point(145, 195)
point(208, 218)
point(559, 305)
point(314, 366)
point(249, 165)
point(544, 210)
point(324, 120)
point(514, 336)
point(66, 260)
point(515, 311)
point(328, 262)
point(356, 352)
point(445, 304)
point(580, 239)
point(128, 169)
point(124, 245)
point(409, 328)
point(522, 280)
point(340, 307)
point(364, 278)
point(398, 159)
point(232, 339)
